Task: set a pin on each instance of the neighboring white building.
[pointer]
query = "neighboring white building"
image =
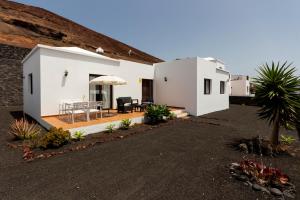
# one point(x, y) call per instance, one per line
point(199, 85)
point(240, 85)
point(54, 74)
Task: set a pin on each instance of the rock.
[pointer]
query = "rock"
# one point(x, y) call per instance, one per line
point(242, 178)
point(257, 187)
point(243, 147)
point(250, 147)
point(276, 185)
point(260, 188)
point(235, 165)
point(269, 150)
point(289, 194)
point(293, 154)
point(276, 192)
point(233, 170)
point(12, 145)
point(41, 156)
point(249, 183)
point(290, 185)
point(265, 190)
point(235, 175)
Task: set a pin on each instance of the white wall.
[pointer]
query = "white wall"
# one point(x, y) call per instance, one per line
point(55, 87)
point(215, 101)
point(133, 73)
point(32, 102)
point(184, 86)
point(180, 89)
point(239, 88)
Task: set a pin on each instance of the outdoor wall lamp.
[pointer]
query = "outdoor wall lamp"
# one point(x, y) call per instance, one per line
point(166, 79)
point(66, 73)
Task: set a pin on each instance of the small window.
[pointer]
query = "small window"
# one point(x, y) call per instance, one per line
point(222, 87)
point(30, 84)
point(207, 86)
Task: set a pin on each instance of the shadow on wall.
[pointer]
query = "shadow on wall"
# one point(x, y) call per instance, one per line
point(19, 114)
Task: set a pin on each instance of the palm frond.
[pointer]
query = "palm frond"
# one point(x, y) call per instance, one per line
point(277, 91)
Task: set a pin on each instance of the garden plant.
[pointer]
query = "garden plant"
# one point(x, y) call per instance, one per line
point(56, 137)
point(110, 128)
point(277, 93)
point(23, 130)
point(125, 124)
point(78, 135)
point(157, 113)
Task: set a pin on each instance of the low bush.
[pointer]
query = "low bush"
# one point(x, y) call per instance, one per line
point(54, 138)
point(78, 135)
point(23, 130)
point(286, 139)
point(157, 113)
point(125, 124)
point(262, 174)
point(110, 128)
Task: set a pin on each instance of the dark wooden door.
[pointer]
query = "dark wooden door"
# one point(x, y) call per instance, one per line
point(147, 90)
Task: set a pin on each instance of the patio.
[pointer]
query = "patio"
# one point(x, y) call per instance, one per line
point(95, 125)
point(58, 121)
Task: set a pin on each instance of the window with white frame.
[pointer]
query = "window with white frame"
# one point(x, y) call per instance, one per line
point(207, 86)
point(222, 87)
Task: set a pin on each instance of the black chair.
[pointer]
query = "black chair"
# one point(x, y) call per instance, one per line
point(135, 103)
point(124, 104)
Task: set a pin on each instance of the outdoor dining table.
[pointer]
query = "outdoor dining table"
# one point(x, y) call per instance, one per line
point(82, 107)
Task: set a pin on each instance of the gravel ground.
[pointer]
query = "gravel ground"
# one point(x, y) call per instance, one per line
point(183, 160)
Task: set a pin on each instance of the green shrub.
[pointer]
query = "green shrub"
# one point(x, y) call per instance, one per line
point(125, 124)
point(55, 138)
point(110, 128)
point(157, 113)
point(286, 139)
point(23, 130)
point(78, 135)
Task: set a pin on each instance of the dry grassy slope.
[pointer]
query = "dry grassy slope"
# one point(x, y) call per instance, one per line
point(25, 26)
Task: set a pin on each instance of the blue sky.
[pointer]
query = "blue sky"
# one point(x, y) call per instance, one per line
point(242, 33)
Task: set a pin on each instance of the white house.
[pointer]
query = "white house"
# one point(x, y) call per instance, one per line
point(199, 85)
point(240, 85)
point(54, 74)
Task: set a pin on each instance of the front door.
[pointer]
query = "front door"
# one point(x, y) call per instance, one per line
point(147, 90)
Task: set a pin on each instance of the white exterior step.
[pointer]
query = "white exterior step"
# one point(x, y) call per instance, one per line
point(180, 113)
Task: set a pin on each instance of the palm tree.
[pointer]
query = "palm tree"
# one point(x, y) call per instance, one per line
point(298, 123)
point(277, 93)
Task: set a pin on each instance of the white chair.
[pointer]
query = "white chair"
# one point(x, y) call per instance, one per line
point(93, 107)
point(63, 104)
point(77, 108)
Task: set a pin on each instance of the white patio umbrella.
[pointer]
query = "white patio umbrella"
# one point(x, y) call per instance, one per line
point(108, 80)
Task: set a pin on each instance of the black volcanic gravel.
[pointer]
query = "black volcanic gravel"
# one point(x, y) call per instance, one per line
point(183, 160)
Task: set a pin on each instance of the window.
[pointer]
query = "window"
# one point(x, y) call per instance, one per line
point(30, 83)
point(222, 87)
point(102, 93)
point(207, 86)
